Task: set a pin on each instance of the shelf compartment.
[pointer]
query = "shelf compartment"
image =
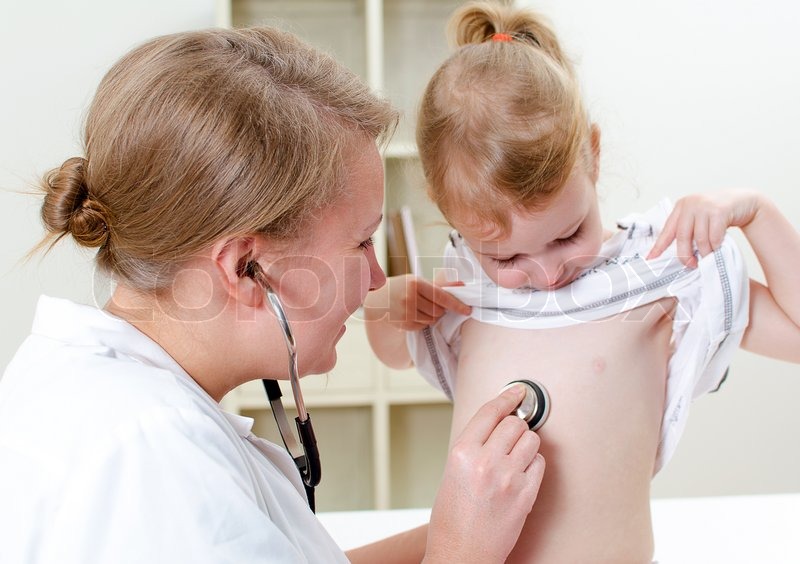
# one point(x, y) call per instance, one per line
point(347, 481)
point(338, 27)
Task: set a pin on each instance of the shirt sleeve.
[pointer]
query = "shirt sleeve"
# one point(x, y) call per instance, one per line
point(712, 316)
point(434, 351)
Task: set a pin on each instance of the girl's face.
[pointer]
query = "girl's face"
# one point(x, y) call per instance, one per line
point(546, 249)
point(326, 277)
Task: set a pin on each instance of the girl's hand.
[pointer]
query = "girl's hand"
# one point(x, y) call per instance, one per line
point(704, 219)
point(491, 479)
point(415, 303)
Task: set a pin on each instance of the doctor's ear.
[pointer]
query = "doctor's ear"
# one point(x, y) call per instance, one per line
point(235, 262)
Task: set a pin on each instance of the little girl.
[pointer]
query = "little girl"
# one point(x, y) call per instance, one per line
point(624, 328)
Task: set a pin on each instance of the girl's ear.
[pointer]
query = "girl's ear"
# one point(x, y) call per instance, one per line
point(230, 257)
point(595, 142)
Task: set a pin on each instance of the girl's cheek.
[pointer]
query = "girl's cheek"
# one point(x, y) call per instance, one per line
point(588, 254)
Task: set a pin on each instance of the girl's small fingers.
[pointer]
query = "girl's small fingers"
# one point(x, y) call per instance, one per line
point(451, 303)
point(421, 321)
point(666, 237)
point(426, 307)
point(684, 233)
point(701, 235)
point(716, 232)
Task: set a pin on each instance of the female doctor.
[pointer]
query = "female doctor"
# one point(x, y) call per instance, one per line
point(211, 156)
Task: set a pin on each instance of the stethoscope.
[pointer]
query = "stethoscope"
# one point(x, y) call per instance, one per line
point(535, 405)
point(533, 409)
point(306, 458)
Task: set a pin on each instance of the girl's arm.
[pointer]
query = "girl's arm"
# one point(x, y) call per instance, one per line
point(404, 303)
point(774, 328)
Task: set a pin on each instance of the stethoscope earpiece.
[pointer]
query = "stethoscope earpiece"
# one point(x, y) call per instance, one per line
point(535, 406)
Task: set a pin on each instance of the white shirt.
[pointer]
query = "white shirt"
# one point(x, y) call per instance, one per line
point(111, 453)
point(712, 313)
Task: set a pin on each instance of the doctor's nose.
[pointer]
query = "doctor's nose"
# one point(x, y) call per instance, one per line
point(377, 278)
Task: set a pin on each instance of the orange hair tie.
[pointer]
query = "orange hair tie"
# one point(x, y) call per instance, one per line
point(502, 37)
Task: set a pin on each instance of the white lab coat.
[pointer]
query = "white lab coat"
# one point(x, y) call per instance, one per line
point(111, 453)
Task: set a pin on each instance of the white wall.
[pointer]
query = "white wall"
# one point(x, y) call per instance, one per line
point(695, 96)
point(691, 96)
point(52, 55)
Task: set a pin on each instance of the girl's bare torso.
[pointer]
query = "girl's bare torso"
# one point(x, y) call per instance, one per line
point(606, 381)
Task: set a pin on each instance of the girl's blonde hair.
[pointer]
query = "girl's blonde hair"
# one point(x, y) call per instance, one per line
point(197, 136)
point(501, 123)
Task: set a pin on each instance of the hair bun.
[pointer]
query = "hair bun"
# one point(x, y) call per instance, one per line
point(477, 22)
point(69, 208)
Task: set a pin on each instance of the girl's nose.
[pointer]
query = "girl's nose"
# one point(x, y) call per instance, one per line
point(546, 274)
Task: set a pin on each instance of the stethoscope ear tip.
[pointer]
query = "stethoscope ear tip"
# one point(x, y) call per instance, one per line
point(535, 406)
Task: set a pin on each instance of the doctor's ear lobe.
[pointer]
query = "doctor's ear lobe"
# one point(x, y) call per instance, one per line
point(233, 258)
point(249, 291)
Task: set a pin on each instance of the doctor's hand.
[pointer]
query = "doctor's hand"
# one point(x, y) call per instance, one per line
point(412, 303)
point(703, 219)
point(490, 482)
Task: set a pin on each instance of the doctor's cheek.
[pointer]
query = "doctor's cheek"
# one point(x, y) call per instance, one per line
point(360, 276)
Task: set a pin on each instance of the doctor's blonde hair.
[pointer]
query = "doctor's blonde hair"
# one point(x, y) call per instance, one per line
point(501, 123)
point(196, 136)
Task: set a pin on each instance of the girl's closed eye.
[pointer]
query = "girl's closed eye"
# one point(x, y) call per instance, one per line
point(506, 263)
point(571, 238)
point(366, 244)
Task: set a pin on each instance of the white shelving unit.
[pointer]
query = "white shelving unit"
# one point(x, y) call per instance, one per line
point(387, 429)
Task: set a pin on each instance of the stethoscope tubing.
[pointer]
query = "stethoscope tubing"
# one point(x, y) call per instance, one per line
point(306, 458)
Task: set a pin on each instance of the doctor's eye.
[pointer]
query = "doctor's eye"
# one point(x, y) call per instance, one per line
point(366, 244)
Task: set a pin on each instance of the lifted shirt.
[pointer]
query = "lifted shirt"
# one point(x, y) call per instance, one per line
point(710, 320)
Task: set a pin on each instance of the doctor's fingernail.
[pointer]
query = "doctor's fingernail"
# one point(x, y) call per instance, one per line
point(514, 392)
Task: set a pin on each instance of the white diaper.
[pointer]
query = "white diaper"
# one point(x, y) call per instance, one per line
point(710, 320)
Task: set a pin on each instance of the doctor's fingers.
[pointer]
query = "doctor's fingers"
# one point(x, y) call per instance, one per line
point(486, 419)
point(507, 435)
point(527, 484)
point(535, 473)
point(526, 450)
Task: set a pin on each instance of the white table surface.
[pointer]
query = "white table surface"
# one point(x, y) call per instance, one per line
point(762, 529)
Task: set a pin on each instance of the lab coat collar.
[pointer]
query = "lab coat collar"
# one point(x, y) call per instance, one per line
point(82, 325)
point(241, 424)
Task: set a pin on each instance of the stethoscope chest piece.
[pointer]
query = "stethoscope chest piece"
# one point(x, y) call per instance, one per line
point(535, 406)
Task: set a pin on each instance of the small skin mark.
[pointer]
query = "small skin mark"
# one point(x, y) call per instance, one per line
point(599, 365)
